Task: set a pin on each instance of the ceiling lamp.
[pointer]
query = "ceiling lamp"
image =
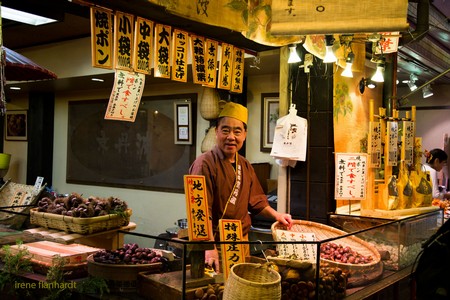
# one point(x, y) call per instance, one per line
point(411, 83)
point(24, 17)
point(348, 67)
point(427, 91)
point(378, 76)
point(366, 82)
point(293, 55)
point(329, 55)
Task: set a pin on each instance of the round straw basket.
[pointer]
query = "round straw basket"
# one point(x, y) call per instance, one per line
point(252, 281)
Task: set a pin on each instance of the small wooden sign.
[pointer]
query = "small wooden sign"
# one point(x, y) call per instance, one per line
point(211, 50)
point(375, 144)
point(198, 59)
point(407, 154)
point(123, 41)
point(101, 38)
point(162, 60)
point(199, 225)
point(226, 67)
point(143, 46)
point(231, 231)
point(180, 55)
point(392, 143)
point(237, 78)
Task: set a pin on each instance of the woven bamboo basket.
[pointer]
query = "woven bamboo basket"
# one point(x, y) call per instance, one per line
point(359, 273)
point(79, 225)
point(252, 281)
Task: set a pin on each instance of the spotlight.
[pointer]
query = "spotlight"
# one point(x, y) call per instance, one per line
point(378, 76)
point(366, 82)
point(348, 67)
point(293, 55)
point(427, 91)
point(411, 83)
point(329, 55)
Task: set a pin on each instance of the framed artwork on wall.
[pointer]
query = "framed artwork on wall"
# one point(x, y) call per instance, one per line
point(16, 125)
point(270, 111)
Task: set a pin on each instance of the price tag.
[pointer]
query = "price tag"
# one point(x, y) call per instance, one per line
point(38, 185)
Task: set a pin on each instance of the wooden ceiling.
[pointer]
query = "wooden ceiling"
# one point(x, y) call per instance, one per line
point(426, 51)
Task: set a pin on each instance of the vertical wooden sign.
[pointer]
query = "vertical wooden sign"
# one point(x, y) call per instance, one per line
point(198, 59)
point(237, 78)
point(211, 49)
point(123, 41)
point(231, 231)
point(407, 154)
point(392, 142)
point(199, 228)
point(101, 38)
point(375, 144)
point(226, 67)
point(143, 46)
point(162, 63)
point(180, 55)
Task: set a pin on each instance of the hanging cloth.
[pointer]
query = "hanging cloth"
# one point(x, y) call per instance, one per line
point(290, 139)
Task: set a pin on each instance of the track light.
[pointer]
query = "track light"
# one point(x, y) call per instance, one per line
point(427, 91)
point(411, 83)
point(378, 76)
point(329, 55)
point(366, 82)
point(348, 67)
point(293, 55)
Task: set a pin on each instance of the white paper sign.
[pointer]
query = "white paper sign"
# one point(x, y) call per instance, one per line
point(299, 251)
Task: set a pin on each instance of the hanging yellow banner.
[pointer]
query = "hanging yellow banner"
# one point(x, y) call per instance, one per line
point(211, 48)
point(123, 41)
point(162, 63)
point(101, 38)
point(226, 67)
point(237, 78)
point(143, 48)
point(198, 59)
point(180, 55)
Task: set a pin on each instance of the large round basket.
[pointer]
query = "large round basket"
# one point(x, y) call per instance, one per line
point(359, 274)
point(252, 281)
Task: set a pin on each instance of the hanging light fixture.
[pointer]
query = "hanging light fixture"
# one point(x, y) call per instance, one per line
point(427, 91)
point(378, 76)
point(412, 82)
point(366, 82)
point(293, 55)
point(348, 67)
point(329, 55)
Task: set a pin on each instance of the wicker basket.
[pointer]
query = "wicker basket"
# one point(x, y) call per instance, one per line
point(360, 273)
point(79, 225)
point(252, 281)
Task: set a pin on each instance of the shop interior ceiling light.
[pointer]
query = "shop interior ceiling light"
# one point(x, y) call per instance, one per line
point(379, 76)
point(293, 55)
point(329, 55)
point(366, 82)
point(427, 91)
point(411, 83)
point(24, 17)
point(348, 67)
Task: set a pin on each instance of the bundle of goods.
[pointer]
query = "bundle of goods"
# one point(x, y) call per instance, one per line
point(358, 259)
point(73, 213)
point(444, 205)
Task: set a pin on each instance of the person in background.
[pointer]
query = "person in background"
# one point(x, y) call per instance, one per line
point(435, 160)
point(232, 186)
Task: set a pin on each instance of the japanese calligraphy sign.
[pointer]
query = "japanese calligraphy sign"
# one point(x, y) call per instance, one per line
point(299, 251)
point(226, 67)
point(351, 176)
point(198, 59)
point(143, 46)
point(180, 55)
point(211, 49)
point(123, 41)
point(126, 96)
point(407, 154)
point(375, 144)
point(231, 231)
point(101, 38)
point(389, 43)
point(237, 78)
point(199, 226)
point(162, 60)
point(392, 142)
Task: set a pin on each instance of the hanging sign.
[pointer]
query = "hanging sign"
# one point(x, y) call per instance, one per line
point(388, 43)
point(162, 63)
point(237, 78)
point(392, 142)
point(296, 251)
point(198, 59)
point(101, 38)
point(123, 41)
point(351, 176)
point(199, 227)
point(180, 55)
point(126, 96)
point(407, 154)
point(143, 39)
point(375, 144)
point(226, 67)
point(211, 49)
point(231, 231)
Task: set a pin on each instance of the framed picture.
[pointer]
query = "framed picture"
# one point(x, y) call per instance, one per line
point(270, 111)
point(16, 125)
point(182, 118)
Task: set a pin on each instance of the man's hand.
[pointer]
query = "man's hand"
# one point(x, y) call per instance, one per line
point(212, 259)
point(285, 219)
